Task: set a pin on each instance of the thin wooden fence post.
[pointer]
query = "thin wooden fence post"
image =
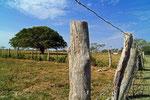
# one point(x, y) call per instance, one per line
point(128, 39)
point(110, 58)
point(48, 55)
point(79, 62)
point(129, 72)
point(32, 54)
point(17, 52)
point(39, 54)
point(9, 52)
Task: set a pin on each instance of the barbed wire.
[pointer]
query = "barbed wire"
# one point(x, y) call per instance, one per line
point(112, 85)
point(101, 17)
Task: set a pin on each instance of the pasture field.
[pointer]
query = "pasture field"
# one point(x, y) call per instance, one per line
point(22, 79)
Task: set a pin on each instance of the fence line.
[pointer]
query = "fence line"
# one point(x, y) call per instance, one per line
point(101, 17)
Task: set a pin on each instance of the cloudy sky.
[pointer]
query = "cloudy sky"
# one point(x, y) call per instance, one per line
point(129, 15)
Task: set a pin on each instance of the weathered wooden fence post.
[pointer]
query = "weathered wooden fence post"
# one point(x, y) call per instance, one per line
point(79, 62)
point(129, 72)
point(128, 39)
point(9, 52)
point(39, 54)
point(110, 58)
point(17, 52)
point(32, 54)
point(140, 65)
point(48, 55)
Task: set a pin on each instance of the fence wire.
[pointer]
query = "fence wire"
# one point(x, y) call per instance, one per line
point(112, 85)
point(101, 17)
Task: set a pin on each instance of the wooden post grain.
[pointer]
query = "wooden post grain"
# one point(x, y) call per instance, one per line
point(79, 62)
point(129, 72)
point(128, 39)
point(48, 55)
point(110, 58)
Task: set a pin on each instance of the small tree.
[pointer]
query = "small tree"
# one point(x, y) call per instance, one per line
point(95, 47)
point(41, 37)
point(143, 45)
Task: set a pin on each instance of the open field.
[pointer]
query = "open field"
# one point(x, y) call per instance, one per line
point(101, 58)
point(46, 80)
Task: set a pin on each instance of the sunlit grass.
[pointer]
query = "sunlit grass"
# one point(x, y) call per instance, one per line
point(29, 79)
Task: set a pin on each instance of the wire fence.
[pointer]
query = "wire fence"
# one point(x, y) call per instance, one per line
point(108, 22)
point(134, 90)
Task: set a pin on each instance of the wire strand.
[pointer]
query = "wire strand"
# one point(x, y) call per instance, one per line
point(101, 17)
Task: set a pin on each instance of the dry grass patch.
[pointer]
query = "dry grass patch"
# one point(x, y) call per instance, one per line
point(34, 80)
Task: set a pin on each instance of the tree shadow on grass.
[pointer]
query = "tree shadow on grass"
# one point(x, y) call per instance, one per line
point(139, 96)
point(146, 69)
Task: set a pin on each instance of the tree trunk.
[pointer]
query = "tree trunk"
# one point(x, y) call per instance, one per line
point(42, 49)
point(110, 58)
point(129, 72)
point(48, 54)
point(128, 39)
point(79, 62)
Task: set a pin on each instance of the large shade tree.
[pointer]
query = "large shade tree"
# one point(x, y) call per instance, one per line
point(40, 37)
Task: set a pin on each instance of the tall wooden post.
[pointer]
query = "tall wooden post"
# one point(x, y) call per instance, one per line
point(48, 54)
point(128, 39)
point(79, 62)
point(110, 58)
point(9, 52)
point(129, 72)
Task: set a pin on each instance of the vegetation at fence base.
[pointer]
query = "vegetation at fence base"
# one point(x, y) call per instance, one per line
point(97, 59)
point(22, 79)
point(61, 59)
point(98, 63)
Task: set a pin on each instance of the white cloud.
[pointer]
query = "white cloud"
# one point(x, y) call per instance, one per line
point(41, 9)
point(89, 4)
point(142, 15)
point(113, 2)
point(115, 36)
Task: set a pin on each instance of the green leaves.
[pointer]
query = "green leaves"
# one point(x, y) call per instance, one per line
point(38, 37)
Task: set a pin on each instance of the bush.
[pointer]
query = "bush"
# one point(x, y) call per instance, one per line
point(50, 58)
point(4, 56)
point(21, 56)
point(93, 61)
point(100, 63)
point(61, 59)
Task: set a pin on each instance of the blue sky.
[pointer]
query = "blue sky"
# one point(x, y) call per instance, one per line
point(129, 15)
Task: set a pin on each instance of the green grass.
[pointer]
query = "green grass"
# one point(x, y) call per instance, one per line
point(143, 82)
point(41, 80)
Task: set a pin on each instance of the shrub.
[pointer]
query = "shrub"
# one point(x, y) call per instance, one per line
point(21, 56)
point(61, 59)
point(93, 61)
point(50, 58)
point(100, 63)
point(4, 56)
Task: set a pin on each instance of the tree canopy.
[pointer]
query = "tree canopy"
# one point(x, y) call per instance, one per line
point(143, 45)
point(95, 47)
point(40, 37)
